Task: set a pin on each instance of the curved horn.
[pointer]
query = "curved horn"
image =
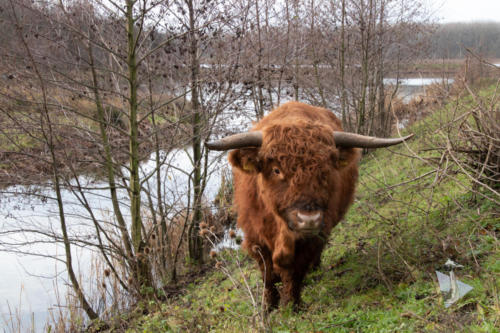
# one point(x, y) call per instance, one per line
point(348, 140)
point(235, 141)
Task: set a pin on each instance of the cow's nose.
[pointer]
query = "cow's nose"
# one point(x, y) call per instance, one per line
point(309, 219)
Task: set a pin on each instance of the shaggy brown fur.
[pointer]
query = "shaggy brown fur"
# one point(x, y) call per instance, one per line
point(298, 168)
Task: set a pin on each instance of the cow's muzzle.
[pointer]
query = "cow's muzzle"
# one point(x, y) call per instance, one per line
point(307, 222)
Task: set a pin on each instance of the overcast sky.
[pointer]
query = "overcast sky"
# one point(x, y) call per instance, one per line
point(465, 10)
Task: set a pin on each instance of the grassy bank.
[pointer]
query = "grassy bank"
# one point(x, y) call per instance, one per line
point(378, 271)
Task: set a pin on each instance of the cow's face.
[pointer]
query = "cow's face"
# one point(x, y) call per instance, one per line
point(298, 173)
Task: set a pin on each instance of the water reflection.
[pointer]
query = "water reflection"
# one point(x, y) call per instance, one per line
point(32, 284)
point(410, 88)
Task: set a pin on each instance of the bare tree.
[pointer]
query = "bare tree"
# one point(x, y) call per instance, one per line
point(102, 92)
point(363, 42)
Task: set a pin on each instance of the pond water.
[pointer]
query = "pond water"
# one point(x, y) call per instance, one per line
point(409, 88)
point(32, 285)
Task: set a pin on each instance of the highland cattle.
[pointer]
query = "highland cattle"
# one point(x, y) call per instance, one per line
point(295, 174)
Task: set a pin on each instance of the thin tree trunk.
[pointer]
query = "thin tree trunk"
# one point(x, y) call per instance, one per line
point(342, 69)
point(163, 237)
point(259, 80)
point(109, 161)
point(365, 49)
point(142, 268)
point(383, 113)
point(296, 53)
point(195, 241)
point(316, 61)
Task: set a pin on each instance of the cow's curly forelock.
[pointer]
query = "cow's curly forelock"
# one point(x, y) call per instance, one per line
point(302, 149)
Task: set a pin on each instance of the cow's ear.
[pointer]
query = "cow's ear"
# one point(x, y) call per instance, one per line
point(247, 160)
point(346, 157)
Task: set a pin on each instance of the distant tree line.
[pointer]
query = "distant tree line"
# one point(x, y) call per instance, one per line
point(450, 40)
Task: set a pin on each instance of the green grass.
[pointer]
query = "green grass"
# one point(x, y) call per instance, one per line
point(378, 271)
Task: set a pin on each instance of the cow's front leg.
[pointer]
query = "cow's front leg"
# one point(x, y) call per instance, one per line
point(292, 287)
point(307, 252)
point(269, 277)
point(271, 293)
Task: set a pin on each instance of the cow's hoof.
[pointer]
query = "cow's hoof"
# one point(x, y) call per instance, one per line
point(299, 307)
point(270, 307)
point(271, 301)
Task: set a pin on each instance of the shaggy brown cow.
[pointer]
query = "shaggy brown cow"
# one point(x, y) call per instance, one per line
point(294, 178)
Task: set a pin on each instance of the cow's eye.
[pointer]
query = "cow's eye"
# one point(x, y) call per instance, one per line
point(276, 171)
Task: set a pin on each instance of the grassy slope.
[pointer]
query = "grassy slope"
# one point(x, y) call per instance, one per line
point(377, 274)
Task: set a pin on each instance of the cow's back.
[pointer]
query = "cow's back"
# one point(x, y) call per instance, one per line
point(292, 111)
